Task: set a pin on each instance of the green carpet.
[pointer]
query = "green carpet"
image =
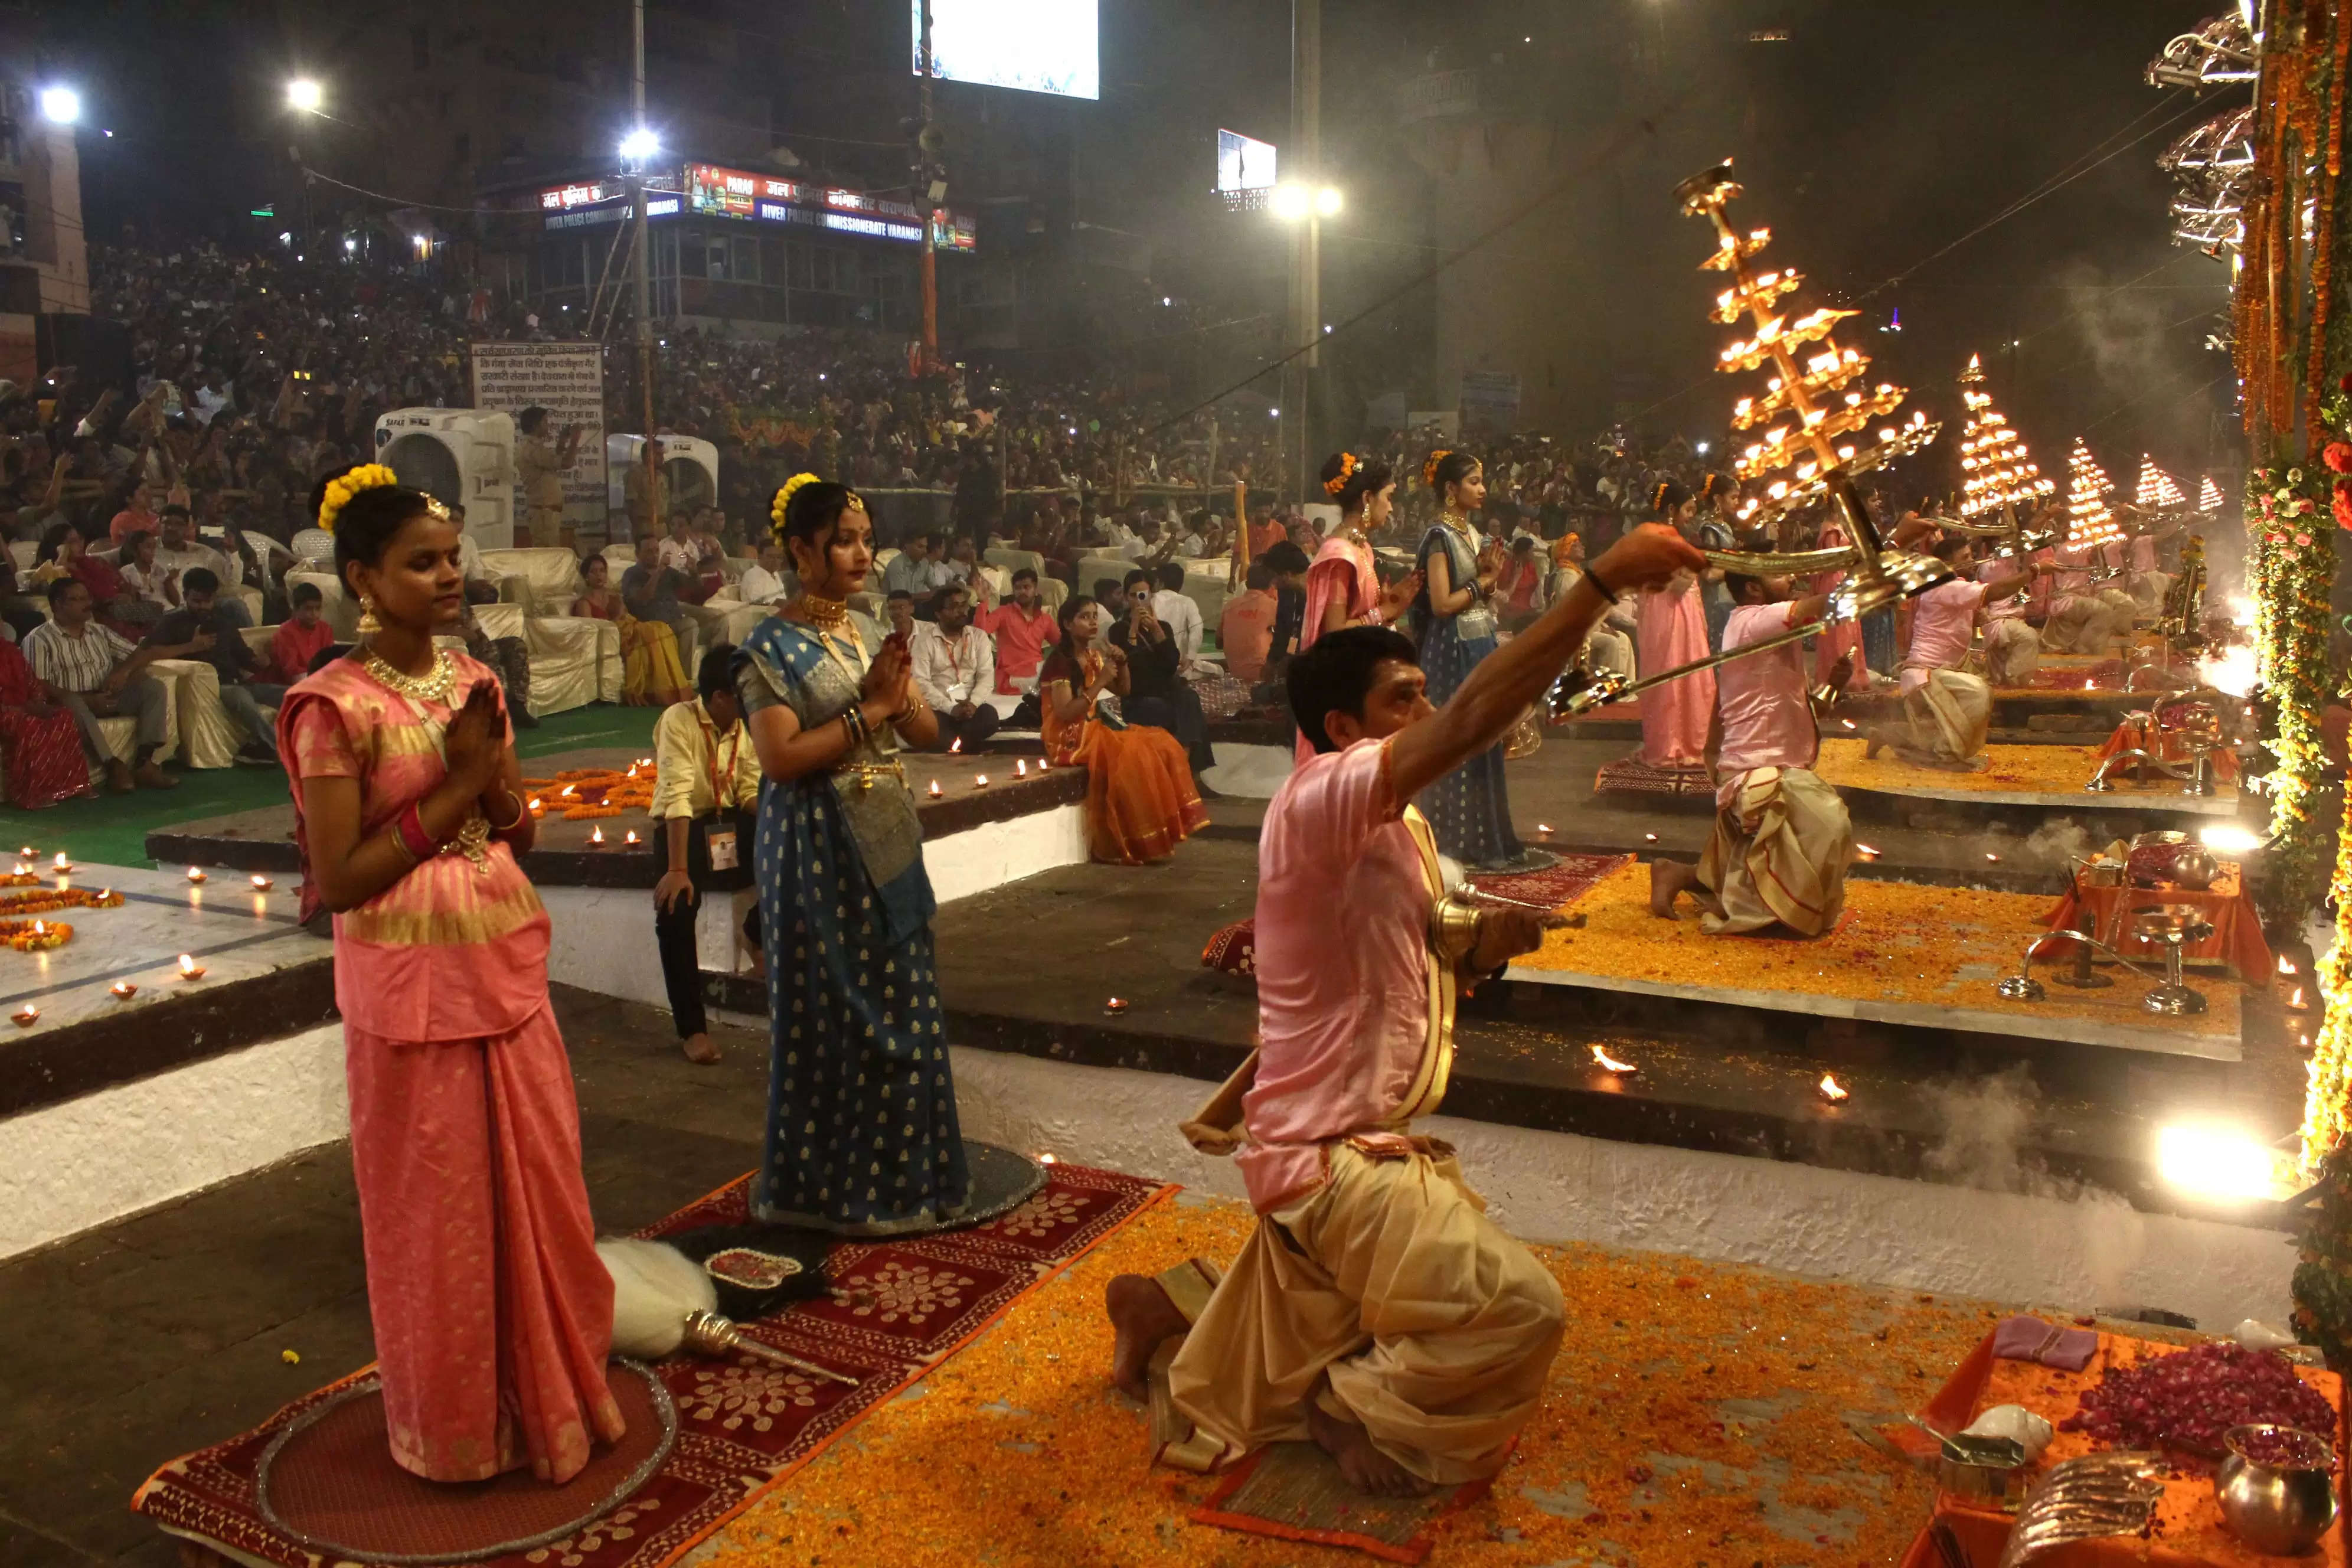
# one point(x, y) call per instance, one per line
point(112, 829)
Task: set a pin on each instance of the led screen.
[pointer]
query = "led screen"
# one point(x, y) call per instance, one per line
point(1244, 163)
point(1038, 46)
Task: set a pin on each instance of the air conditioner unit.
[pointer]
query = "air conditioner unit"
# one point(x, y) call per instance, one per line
point(463, 455)
point(689, 474)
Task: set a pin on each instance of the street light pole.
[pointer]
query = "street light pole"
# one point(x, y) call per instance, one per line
point(929, 264)
point(641, 262)
point(1306, 257)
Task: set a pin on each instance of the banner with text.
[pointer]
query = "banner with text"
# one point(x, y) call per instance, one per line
point(568, 381)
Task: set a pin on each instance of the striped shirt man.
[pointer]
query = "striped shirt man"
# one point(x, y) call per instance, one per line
point(75, 661)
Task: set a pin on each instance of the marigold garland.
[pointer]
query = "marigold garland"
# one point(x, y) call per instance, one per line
point(784, 499)
point(20, 935)
point(58, 899)
point(343, 488)
point(585, 795)
point(2292, 520)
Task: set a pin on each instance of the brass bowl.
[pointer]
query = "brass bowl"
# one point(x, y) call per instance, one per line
point(2172, 923)
point(2277, 1510)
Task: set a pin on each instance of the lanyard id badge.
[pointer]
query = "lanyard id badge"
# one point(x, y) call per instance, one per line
point(721, 842)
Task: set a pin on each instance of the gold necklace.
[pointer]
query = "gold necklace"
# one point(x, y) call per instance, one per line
point(823, 612)
point(1459, 521)
point(438, 687)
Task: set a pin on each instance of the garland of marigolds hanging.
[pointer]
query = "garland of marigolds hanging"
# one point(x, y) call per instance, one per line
point(2294, 551)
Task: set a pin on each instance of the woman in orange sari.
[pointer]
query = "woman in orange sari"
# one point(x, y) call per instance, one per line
point(1140, 800)
point(493, 1314)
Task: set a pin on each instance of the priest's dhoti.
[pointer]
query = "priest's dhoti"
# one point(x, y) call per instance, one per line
point(2079, 624)
point(1389, 1288)
point(2123, 610)
point(1947, 714)
point(2148, 590)
point(2012, 652)
point(1782, 842)
point(1608, 649)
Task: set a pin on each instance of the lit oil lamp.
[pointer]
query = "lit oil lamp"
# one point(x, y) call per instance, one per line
point(1867, 851)
point(1115, 1006)
point(26, 853)
point(1608, 1063)
point(936, 791)
point(26, 1015)
point(1020, 768)
point(570, 791)
point(1543, 830)
point(40, 927)
point(1992, 860)
point(123, 990)
point(537, 805)
point(1833, 1090)
point(262, 884)
point(61, 865)
point(980, 781)
point(190, 969)
point(2295, 1001)
point(24, 868)
point(1047, 1157)
point(955, 747)
point(595, 839)
point(1849, 723)
point(195, 873)
point(629, 839)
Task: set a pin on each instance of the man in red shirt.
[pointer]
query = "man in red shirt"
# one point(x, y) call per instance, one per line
point(1245, 629)
point(304, 637)
point(137, 516)
point(1022, 630)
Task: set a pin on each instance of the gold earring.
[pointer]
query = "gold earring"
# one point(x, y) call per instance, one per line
point(369, 625)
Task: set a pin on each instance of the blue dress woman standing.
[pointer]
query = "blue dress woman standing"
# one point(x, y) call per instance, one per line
point(1469, 808)
point(861, 1133)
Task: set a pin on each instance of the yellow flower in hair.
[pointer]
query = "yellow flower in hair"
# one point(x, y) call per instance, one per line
point(784, 498)
point(1347, 471)
point(341, 488)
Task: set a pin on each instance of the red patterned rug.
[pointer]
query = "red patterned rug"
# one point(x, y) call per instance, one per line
point(1555, 886)
point(1633, 776)
point(898, 1309)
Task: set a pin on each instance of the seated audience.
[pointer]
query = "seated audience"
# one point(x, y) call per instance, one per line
point(1177, 612)
point(900, 609)
point(201, 616)
point(295, 643)
point(510, 657)
point(94, 674)
point(955, 669)
point(1023, 630)
point(41, 762)
point(150, 589)
point(1140, 798)
point(1158, 695)
point(763, 581)
point(177, 549)
point(652, 673)
point(1245, 626)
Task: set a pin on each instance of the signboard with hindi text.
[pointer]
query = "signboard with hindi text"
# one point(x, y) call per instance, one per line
point(568, 381)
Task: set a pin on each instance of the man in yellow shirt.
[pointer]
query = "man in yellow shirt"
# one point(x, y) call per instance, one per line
point(706, 791)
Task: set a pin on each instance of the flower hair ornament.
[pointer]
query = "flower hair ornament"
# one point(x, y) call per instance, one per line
point(1658, 496)
point(784, 498)
point(341, 488)
point(1713, 483)
point(1429, 468)
point(1347, 466)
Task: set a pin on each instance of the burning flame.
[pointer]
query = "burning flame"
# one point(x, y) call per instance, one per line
point(262, 884)
point(936, 791)
point(955, 747)
point(1608, 1063)
point(2232, 670)
point(40, 927)
point(124, 989)
point(24, 868)
point(1995, 859)
point(571, 790)
point(980, 781)
point(630, 838)
point(195, 873)
point(596, 837)
point(1020, 770)
point(1831, 1090)
point(61, 863)
point(26, 1014)
point(189, 967)
point(2286, 964)
point(1867, 851)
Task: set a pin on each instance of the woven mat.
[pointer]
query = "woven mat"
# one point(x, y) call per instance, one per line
point(1554, 887)
point(898, 1308)
point(1635, 775)
point(1294, 1492)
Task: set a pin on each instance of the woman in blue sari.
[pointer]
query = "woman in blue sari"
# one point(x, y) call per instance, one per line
point(1470, 808)
point(861, 1137)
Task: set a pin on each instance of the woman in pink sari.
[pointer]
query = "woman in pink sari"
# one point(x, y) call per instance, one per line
point(493, 1314)
point(1845, 637)
point(1670, 630)
point(1343, 585)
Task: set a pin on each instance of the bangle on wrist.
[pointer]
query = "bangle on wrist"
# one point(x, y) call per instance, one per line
point(410, 827)
point(1600, 585)
point(522, 810)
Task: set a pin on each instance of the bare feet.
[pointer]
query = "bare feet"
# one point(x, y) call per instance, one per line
point(118, 776)
point(1366, 1469)
point(1877, 745)
point(699, 1049)
point(1668, 880)
point(1145, 1318)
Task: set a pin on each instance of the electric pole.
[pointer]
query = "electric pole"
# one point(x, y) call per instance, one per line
point(929, 188)
point(641, 262)
point(1306, 252)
